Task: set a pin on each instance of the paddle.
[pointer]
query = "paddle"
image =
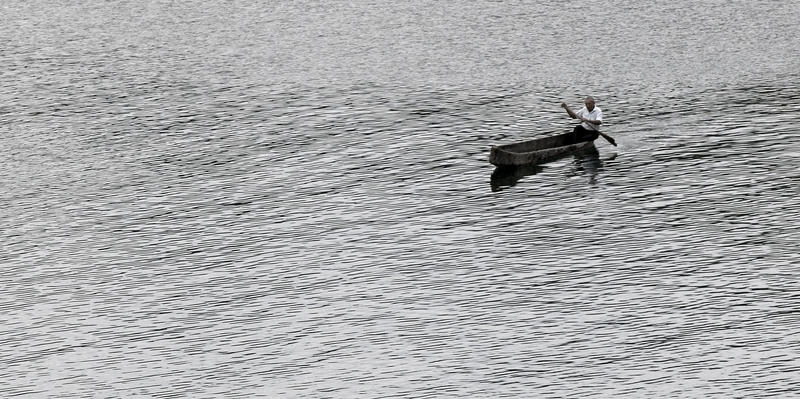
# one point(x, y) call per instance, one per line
point(608, 138)
point(575, 116)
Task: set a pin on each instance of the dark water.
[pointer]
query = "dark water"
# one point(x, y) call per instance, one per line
point(223, 199)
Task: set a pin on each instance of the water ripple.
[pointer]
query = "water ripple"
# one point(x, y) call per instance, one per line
point(257, 204)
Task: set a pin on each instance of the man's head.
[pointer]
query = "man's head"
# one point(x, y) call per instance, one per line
point(589, 102)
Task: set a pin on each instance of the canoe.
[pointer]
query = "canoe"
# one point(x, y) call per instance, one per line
point(537, 151)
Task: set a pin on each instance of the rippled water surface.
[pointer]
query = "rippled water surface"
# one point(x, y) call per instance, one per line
point(293, 199)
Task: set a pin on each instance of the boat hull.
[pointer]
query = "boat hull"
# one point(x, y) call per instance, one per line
point(537, 151)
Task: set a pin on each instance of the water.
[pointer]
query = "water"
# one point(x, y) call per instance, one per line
point(224, 199)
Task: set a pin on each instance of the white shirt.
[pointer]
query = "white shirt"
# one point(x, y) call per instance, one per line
point(595, 115)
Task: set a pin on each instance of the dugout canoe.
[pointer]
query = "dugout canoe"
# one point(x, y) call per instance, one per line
point(537, 151)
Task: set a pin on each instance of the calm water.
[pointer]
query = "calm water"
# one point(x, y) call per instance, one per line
point(293, 200)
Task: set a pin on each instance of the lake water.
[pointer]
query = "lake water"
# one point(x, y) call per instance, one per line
point(293, 200)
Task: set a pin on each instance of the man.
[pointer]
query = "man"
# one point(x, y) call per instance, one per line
point(591, 118)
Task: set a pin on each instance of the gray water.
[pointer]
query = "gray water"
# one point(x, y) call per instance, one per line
point(293, 200)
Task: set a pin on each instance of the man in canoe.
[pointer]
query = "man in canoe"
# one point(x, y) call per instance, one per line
point(591, 118)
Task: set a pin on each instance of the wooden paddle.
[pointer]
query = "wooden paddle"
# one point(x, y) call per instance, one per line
point(608, 138)
point(575, 116)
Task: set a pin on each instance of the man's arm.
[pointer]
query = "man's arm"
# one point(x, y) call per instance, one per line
point(574, 115)
point(597, 122)
point(571, 113)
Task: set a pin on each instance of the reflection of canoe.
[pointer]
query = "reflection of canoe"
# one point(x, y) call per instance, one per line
point(508, 176)
point(537, 151)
